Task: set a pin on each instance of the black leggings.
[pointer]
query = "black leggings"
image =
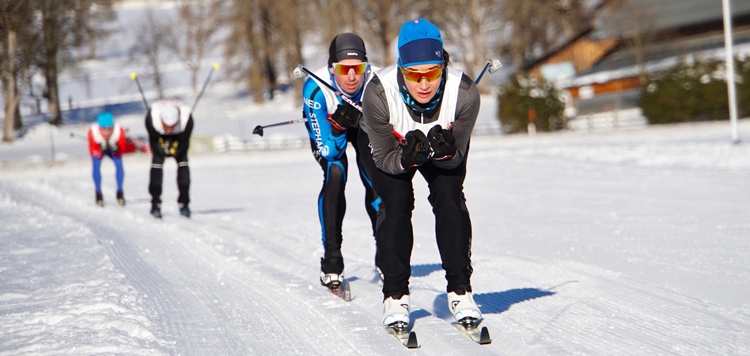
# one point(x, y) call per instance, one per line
point(332, 201)
point(157, 176)
point(394, 230)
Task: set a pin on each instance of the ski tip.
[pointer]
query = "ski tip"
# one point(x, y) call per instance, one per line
point(484, 336)
point(412, 342)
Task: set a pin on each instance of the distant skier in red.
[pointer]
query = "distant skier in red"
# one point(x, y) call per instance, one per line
point(106, 138)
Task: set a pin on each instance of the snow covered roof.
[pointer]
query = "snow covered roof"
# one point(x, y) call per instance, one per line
point(660, 56)
point(664, 15)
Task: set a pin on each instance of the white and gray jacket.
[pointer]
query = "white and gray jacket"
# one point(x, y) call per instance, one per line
point(385, 114)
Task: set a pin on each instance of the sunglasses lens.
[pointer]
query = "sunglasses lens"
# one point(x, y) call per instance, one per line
point(343, 69)
point(415, 76)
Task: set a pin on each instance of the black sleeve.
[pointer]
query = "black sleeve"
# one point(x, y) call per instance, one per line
point(153, 137)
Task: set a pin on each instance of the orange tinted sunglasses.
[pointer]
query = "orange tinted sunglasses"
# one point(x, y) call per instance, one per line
point(343, 69)
point(417, 75)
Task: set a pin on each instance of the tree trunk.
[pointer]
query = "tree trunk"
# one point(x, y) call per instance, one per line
point(10, 90)
point(256, 76)
point(50, 28)
point(53, 95)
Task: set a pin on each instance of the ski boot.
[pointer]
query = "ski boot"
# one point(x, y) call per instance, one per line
point(99, 199)
point(156, 210)
point(184, 210)
point(332, 281)
point(396, 312)
point(120, 198)
point(464, 309)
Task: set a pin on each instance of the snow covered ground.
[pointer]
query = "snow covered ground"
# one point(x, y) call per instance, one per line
point(613, 243)
point(607, 243)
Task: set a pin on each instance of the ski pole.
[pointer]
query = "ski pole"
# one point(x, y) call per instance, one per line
point(259, 129)
point(300, 71)
point(492, 64)
point(78, 136)
point(134, 76)
point(205, 84)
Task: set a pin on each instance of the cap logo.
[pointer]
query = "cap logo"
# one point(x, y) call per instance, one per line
point(437, 54)
point(351, 54)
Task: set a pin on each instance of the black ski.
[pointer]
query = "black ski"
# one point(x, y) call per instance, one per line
point(473, 330)
point(400, 331)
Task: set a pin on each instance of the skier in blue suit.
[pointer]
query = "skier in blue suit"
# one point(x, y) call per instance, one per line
point(331, 124)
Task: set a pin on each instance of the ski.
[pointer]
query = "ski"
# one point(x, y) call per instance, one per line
point(343, 291)
point(405, 336)
point(473, 330)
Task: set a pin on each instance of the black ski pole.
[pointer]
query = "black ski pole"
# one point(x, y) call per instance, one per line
point(134, 76)
point(205, 84)
point(299, 73)
point(259, 129)
point(78, 136)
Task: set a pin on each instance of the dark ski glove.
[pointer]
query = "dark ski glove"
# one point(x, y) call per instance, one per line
point(416, 151)
point(442, 143)
point(344, 117)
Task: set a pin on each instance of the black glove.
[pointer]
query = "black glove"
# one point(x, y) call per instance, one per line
point(442, 143)
point(416, 151)
point(344, 117)
point(107, 148)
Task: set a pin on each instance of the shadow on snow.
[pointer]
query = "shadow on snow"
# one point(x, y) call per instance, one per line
point(489, 303)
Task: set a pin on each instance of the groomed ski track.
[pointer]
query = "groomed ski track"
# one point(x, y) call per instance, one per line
point(240, 276)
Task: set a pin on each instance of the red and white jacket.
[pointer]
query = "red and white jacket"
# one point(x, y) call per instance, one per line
point(99, 146)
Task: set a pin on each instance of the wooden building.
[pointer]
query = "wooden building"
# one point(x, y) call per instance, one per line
point(602, 68)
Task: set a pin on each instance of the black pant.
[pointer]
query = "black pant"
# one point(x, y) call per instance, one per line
point(332, 202)
point(394, 231)
point(157, 176)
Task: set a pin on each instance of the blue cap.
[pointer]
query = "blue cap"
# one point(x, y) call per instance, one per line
point(105, 120)
point(419, 42)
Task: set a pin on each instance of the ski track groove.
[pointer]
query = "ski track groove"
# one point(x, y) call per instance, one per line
point(631, 305)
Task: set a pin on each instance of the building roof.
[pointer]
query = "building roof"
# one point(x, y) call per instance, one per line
point(670, 30)
point(661, 56)
point(665, 16)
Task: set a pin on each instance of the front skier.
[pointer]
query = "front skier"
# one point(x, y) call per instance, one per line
point(418, 116)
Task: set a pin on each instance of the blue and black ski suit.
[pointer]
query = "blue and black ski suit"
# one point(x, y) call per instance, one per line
point(329, 150)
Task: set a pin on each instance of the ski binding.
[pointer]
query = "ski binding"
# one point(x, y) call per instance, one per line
point(400, 331)
point(472, 329)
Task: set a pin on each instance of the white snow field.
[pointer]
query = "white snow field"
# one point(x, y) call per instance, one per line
point(614, 243)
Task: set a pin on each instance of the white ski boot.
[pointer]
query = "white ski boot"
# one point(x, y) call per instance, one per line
point(463, 308)
point(331, 280)
point(396, 311)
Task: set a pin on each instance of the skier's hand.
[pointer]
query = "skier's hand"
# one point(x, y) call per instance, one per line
point(416, 151)
point(344, 117)
point(442, 143)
